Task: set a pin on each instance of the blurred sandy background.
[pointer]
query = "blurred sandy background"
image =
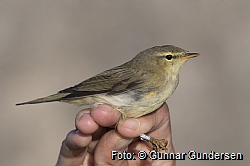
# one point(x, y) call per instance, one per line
point(47, 46)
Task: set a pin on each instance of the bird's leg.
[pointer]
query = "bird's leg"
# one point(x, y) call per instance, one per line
point(122, 117)
point(158, 144)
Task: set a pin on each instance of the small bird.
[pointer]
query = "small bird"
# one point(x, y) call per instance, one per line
point(135, 88)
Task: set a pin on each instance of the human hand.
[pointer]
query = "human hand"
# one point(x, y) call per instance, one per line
point(94, 140)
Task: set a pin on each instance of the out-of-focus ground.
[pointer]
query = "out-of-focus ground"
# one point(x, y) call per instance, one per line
point(47, 46)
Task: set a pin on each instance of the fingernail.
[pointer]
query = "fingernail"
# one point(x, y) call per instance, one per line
point(123, 145)
point(85, 115)
point(131, 123)
point(102, 107)
point(79, 133)
point(82, 115)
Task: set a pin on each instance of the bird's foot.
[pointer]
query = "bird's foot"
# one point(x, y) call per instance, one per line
point(158, 144)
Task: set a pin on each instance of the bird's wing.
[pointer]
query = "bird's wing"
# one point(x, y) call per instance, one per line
point(113, 81)
point(116, 80)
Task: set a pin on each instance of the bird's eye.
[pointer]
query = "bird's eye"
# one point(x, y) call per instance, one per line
point(169, 57)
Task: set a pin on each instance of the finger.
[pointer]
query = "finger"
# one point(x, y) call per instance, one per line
point(85, 123)
point(91, 123)
point(111, 143)
point(105, 115)
point(156, 124)
point(73, 149)
point(134, 127)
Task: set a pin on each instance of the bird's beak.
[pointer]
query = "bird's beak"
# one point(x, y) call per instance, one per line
point(190, 55)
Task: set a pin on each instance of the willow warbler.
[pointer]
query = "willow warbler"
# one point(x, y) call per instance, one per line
point(135, 88)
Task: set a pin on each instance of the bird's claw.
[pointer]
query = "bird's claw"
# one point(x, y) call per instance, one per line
point(159, 144)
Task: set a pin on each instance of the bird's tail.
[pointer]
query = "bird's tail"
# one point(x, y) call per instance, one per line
point(51, 98)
